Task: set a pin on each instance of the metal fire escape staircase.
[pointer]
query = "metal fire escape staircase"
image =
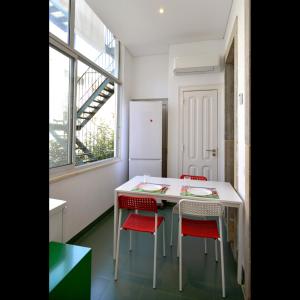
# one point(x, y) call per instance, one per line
point(99, 97)
point(95, 91)
point(85, 113)
point(91, 106)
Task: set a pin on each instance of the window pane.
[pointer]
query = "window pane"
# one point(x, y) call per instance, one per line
point(94, 40)
point(59, 133)
point(59, 18)
point(96, 116)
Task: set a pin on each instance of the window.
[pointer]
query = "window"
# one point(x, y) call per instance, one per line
point(59, 18)
point(59, 132)
point(83, 96)
point(94, 40)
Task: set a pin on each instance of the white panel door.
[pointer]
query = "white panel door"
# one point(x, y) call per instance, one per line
point(200, 133)
point(145, 130)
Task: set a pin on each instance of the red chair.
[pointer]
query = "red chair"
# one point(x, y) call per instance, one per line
point(176, 207)
point(193, 177)
point(200, 228)
point(141, 223)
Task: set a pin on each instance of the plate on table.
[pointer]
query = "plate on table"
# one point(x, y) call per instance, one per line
point(151, 187)
point(199, 191)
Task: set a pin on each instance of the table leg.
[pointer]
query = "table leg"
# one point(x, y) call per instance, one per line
point(240, 244)
point(115, 223)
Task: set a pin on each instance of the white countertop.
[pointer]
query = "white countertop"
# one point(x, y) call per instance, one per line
point(55, 205)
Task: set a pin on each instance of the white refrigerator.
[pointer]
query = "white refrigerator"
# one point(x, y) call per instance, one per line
point(145, 138)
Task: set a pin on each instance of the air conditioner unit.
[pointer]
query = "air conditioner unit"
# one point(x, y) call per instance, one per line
point(203, 63)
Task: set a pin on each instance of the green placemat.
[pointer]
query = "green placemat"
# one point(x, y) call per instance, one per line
point(162, 191)
point(184, 192)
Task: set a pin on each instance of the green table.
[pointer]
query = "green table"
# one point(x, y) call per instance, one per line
point(69, 272)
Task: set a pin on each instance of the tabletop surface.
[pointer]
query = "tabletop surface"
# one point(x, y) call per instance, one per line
point(226, 192)
point(62, 259)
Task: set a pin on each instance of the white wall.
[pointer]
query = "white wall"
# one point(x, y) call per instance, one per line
point(237, 10)
point(150, 77)
point(90, 194)
point(175, 82)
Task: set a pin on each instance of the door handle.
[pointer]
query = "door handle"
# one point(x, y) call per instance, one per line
point(213, 151)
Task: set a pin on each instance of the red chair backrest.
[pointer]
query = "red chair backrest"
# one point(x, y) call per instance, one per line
point(194, 177)
point(139, 203)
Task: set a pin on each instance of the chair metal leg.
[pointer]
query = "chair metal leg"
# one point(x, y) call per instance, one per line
point(154, 265)
point(130, 240)
point(155, 250)
point(205, 242)
point(222, 258)
point(164, 240)
point(222, 269)
point(227, 223)
point(216, 249)
point(171, 239)
point(178, 243)
point(180, 261)
point(131, 233)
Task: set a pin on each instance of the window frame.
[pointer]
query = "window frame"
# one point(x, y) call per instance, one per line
point(69, 51)
point(70, 109)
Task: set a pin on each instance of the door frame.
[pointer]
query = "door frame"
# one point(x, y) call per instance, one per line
point(233, 41)
point(220, 124)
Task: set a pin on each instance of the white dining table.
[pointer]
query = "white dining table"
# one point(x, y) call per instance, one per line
point(228, 197)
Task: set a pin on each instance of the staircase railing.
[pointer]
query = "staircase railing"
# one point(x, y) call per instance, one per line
point(92, 77)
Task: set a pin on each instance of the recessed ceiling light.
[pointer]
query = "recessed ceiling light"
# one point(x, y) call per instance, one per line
point(161, 10)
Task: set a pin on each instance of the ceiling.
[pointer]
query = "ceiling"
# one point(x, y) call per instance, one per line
point(139, 26)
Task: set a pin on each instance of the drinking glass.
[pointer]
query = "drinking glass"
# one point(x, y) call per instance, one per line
point(146, 178)
point(186, 181)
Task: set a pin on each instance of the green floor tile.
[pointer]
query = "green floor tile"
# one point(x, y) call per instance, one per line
point(125, 289)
